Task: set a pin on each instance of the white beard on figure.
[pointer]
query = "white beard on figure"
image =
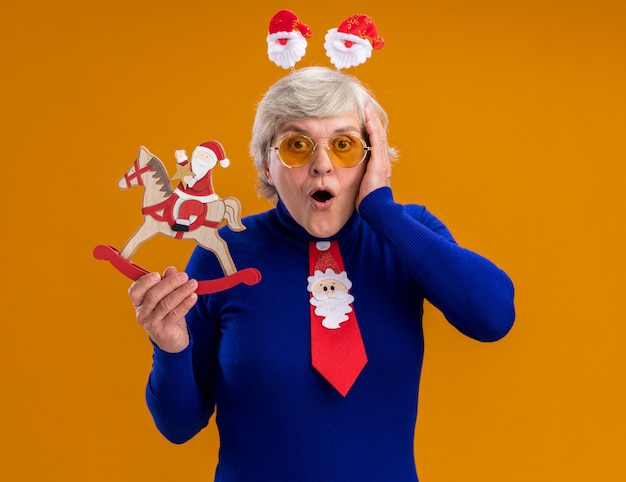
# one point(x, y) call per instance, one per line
point(200, 169)
point(287, 55)
point(334, 308)
point(342, 56)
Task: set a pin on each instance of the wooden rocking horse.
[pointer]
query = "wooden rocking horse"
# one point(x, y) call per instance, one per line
point(158, 208)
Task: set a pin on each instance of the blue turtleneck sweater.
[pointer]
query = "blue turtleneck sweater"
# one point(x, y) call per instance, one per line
point(249, 356)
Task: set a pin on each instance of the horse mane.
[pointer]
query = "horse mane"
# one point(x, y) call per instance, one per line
point(161, 175)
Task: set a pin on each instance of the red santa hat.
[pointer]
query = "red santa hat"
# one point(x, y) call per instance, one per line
point(215, 150)
point(362, 26)
point(287, 21)
point(325, 259)
point(326, 265)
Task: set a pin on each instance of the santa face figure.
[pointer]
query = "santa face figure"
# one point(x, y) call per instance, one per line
point(202, 161)
point(330, 297)
point(203, 155)
point(286, 40)
point(346, 50)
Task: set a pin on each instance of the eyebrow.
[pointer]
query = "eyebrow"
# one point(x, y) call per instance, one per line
point(300, 130)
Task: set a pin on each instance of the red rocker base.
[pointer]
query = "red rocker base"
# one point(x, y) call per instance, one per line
point(248, 276)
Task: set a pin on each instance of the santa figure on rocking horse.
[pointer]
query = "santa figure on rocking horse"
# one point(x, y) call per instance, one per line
point(190, 211)
point(196, 187)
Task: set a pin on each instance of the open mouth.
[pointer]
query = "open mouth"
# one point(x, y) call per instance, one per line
point(322, 196)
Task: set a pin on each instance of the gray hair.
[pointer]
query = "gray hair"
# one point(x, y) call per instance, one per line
point(311, 92)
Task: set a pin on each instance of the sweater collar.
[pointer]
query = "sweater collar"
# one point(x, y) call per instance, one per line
point(294, 230)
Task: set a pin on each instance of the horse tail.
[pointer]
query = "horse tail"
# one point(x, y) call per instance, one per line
point(232, 213)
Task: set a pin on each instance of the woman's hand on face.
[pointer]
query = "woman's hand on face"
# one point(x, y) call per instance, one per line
point(161, 303)
point(378, 171)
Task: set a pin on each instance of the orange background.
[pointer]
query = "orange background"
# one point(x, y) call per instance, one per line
point(510, 118)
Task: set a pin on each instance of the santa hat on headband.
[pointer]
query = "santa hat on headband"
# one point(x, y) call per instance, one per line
point(352, 42)
point(286, 40)
point(215, 151)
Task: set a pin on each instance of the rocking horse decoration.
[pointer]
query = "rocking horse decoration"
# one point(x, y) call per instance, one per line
point(190, 211)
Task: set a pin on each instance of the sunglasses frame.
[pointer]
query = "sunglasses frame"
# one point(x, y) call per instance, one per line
point(366, 150)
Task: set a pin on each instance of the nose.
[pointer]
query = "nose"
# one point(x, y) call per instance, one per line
point(320, 162)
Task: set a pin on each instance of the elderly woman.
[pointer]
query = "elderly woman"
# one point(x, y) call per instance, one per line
point(342, 264)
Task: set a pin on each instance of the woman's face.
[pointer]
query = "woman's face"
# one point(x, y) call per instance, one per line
point(319, 195)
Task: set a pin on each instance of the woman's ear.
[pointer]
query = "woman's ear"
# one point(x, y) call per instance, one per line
point(268, 176)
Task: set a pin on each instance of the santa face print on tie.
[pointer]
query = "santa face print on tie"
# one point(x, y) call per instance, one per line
point(330, 297)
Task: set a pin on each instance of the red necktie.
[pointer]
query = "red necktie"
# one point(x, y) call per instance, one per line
point(337, 350)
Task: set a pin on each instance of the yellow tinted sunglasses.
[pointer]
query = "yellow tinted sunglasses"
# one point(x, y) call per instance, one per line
point(344, 150)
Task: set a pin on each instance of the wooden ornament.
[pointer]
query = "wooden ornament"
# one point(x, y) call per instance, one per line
point(182, 213)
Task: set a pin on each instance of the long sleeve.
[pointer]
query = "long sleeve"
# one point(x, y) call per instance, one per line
point(472, 292)
point(180, 389)
point(173, 397)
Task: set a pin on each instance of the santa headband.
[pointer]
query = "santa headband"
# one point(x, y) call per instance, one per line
point(348, 45)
